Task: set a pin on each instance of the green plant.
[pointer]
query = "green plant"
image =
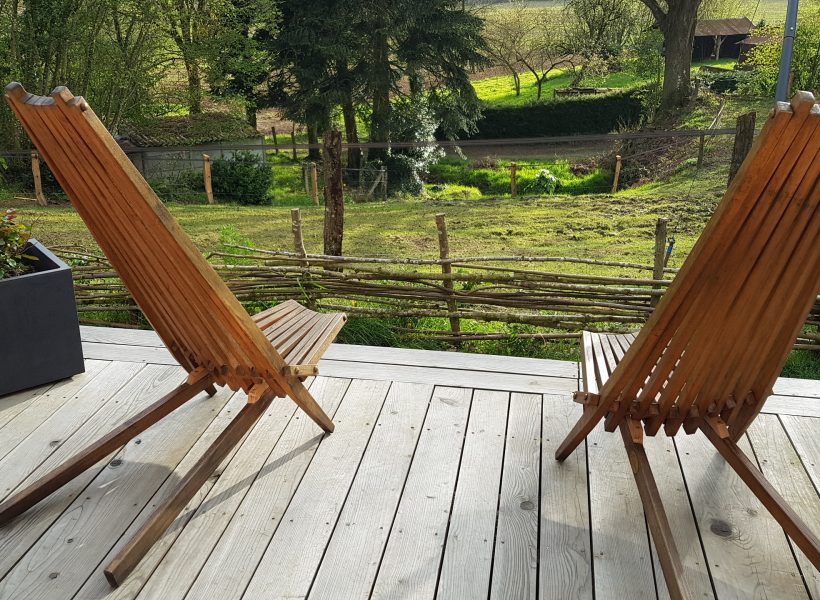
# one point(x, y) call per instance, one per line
point(14, 239)
point(245, 177)
point(544, 183)
point(186, 187)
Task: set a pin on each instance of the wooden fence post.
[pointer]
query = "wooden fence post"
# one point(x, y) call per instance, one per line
point(446, 269)
point(513, 178)
point(701, 149)
point(660, 256)
point(383, 175)
point(617, 177)
point(299, 248)
point(206, 174)
point(314, 183)
point(334, 192)
point(293, 140)
point(744, 136)
point(38, 180)
point(275, 139)
point(296, 228)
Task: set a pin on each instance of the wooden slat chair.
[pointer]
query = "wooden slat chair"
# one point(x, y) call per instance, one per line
point(200, 321)
point(711, 351)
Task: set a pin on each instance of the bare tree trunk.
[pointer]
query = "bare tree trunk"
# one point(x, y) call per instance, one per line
point(354, 155)
point(313, 138)
point(194, 85)
point(678, 28)
point(334, 193)
point(380, 88)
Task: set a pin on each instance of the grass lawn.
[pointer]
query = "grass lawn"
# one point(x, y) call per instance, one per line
point(500, 91)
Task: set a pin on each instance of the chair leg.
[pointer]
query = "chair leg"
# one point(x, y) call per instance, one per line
point(52, 481)
point(578, 433)
point(655, 516)
point(307, 403)
point(784, 514)
point(138, 546)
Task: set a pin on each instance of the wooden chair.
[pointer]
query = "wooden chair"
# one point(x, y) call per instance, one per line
point(711, 351)
point(193, 311)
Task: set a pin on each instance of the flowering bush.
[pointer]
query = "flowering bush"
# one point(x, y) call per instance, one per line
point(14, 238)
point(545, 183)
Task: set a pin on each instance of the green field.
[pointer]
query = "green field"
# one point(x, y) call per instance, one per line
point(500, 90)
point(772, 11)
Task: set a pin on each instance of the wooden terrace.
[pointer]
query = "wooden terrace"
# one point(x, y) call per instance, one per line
point(439, 482)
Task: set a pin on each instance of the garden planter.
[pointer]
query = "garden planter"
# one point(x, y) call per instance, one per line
point(39, 331)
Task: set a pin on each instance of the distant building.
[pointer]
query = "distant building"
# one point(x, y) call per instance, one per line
point(718, 38)
point(171, 145)
point(746, 45)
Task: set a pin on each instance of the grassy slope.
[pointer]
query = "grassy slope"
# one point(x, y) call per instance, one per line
point(619, 227)
point(500, 91)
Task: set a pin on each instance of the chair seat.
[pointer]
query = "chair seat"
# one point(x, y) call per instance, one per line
point(299, 335)
point(601, 353)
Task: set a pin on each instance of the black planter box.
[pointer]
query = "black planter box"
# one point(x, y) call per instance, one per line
point(39, 332)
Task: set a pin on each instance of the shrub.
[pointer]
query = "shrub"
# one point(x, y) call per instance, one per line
point(580, 114)
point(244, 177)
point(544, 183)
point(411, 119)
point(14, 238)
point(186, 187)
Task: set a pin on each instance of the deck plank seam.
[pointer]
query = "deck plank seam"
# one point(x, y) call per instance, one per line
point(204, 498)
point(349, 487)
point(789, 542)
point(695, 519)
point(53, 387)
point(800, 457)
point(290, 500)
point(498, 501)
point(401, 494)
point(171, 471)
point(97, 472)
point(453, 495)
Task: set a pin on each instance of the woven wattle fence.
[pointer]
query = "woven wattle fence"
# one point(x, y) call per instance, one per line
point(495, 289)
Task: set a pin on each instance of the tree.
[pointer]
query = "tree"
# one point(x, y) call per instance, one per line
point(503, 32)
point(765, 59)
point(432, 44)
point(317, 57)
point(239, 55)
point(543, 47)
point(603, 27)
point(114, 55)
point(676, 19)
point(189, 24)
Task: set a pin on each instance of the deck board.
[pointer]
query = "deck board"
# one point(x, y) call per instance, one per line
point(747, 550)
point(412, 557)
point(439, 482)
point(360, 534)
point(515, 568)
point(468, 554)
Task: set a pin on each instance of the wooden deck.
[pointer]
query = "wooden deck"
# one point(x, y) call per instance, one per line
point(439, 482)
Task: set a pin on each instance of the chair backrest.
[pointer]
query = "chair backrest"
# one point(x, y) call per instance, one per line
point(719, 337)
point(185, 300)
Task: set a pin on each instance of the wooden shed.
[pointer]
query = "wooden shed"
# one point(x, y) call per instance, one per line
point(718, 38)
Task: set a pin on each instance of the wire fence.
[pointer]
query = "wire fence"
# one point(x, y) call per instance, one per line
point(467, 170)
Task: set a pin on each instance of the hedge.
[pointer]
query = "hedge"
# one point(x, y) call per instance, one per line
point(566, 116)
